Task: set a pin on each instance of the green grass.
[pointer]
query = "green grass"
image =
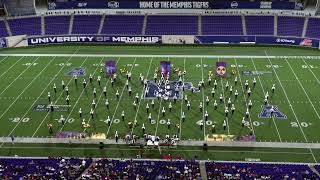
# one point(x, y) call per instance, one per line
point(25, 82)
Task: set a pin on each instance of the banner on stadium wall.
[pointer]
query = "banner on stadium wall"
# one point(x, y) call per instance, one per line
point(305, 42)
point(136, 4)
point(223, 39)
point(263, 40)
point(94, 39)
point(177, 39)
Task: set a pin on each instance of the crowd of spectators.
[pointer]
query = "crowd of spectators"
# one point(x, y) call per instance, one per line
point(48, 168)
point(258, 171)
point(143, 169)
point(105, 169)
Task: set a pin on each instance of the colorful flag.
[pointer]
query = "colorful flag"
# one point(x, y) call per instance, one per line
point(221, 68)
point(165, 68)
point(110, 67)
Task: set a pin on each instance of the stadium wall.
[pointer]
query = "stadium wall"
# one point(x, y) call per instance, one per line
point(172, 39)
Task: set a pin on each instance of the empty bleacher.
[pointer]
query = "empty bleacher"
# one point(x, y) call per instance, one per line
point(290, 26)
point(222, 25)
point(176, 25)
point(122, 25)
point(3, 30)
point(29, 26)
point(260, 25)
point(163, 25)
point(313, 28)
point(86, 24)
point(57, 25)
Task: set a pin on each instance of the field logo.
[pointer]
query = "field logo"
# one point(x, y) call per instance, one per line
point(76, 72)
point(170, 91)
point(266, 112)
point(221, 68)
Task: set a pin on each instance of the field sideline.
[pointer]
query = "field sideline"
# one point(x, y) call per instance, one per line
point(26, 79)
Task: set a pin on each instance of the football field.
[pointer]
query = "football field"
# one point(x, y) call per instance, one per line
point(27, 78)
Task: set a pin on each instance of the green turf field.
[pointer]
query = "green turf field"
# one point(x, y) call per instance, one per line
point(26, 80)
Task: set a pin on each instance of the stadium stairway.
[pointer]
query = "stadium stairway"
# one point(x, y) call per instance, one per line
point(244, 26)
point(101, 23)
point(275, 32)
point(144, 27)
point(7, 27)
point(314, 170)
point(203, 170)
point(43, 29)
point(86, 170)
point(306, 21)
point(71, 24)
point(200, 25)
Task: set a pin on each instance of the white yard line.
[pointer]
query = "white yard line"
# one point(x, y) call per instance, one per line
point(184, 69)
point(25, 88)
point(55, 102)
point(4, 59)
point(162, 55)
point(159, 112)
point(158, 118)
point(11, 66)
point(304, 90)
point(18, 76)
point(264, 94)
point(146, 77)
point(83, 90)
point(224, 102)
point(203, 103)
point(115, 111)
point(244, 95)
point(290, 105)
point(36, 98)
point(311, 71)
point(45, 89)
point(101, 96)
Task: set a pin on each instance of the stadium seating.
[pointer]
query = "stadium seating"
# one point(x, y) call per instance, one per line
point(126, 169)
point(255, 26)
point(39, 168)
point(3, 30)
point(75, 168)
point(123, 25)
point(290, 26)
point(29, 26)
point(258, 171)
point(222, 25)
point(313, 28)
point(162, 25)
point(86, 24)
point(56, 25)
point(172, 25)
